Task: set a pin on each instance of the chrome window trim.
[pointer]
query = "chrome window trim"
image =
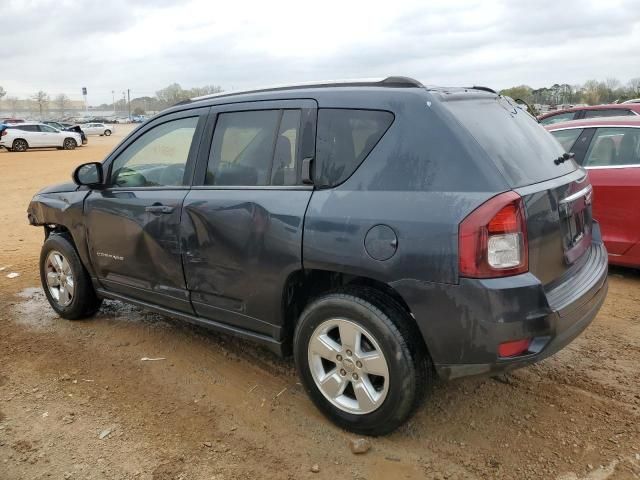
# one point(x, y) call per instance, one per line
point(592, 126)
point(617, 167)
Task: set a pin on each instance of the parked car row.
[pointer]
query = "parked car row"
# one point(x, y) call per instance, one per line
point(383, 232)
point(595, 111)
point(22, 136)
point(609, 149)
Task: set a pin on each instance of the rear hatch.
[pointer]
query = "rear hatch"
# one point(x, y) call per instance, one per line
point(557, 196)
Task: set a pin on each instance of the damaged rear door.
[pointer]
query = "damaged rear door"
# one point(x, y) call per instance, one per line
point(133, 224)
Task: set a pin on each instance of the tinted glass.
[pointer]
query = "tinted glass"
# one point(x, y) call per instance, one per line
point(285, 158)
point(242, 148)
point(344, 139)
point(614, 147)
point(580, 147)
point(29, 128)
point(157, 158)
point(561, 117)
point(567, 137)
point(522, 150)
point(612, 112)
point(47, 129)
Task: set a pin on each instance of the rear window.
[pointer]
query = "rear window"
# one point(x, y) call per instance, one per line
point(521, 149)
point(560, 117)
point(345, 138)
point(612, 112)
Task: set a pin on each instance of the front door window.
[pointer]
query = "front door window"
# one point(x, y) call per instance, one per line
point(158, 158)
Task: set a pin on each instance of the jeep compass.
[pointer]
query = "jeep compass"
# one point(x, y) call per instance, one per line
point(384, 233)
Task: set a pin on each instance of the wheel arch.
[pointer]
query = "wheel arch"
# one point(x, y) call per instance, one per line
point(20, 138)
point(303, 286)
point(62, 213)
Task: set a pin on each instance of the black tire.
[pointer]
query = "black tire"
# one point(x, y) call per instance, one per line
point(69, 144)
point(410, 369)
point(107, 132)
point(19, 145)
point(85, 302)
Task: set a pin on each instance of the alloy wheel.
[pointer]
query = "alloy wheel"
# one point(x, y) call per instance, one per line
point(348, 366)
point(59, 275)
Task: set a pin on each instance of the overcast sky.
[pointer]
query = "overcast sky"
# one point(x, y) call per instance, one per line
point(62, 45)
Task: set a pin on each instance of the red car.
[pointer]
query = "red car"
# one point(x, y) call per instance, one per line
point(578, 113)
point(609, 149)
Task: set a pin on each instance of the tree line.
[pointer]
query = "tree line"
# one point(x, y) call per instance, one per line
point(41, 102)
point(163, 98)
point(591, 92)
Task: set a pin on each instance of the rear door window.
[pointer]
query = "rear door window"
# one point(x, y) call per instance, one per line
point(522, 150)
point(255, 148)
point(284, 171)
point(567, 137)
point(611, 112)
point(345, 137)
point(612, 147)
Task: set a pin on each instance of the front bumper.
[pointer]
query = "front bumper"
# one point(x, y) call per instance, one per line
point(464, 324)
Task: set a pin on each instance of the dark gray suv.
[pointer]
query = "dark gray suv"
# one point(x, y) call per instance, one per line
point(383, 232)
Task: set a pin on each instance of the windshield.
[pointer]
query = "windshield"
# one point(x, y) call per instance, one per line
point(521, 149)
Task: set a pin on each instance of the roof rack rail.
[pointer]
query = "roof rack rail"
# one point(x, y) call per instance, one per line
point(484, 89)
point(393, 81)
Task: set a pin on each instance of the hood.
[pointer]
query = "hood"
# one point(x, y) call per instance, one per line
point(60, 187)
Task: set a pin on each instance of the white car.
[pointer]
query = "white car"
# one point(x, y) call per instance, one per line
point(20, 137)
point(97, 129)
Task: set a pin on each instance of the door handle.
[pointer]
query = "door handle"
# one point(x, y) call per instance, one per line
point(159, 209)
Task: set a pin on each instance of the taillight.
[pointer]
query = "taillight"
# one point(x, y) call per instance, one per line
point(492, 239)
point(3, 133)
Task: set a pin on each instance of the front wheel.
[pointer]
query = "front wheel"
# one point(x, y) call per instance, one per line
point(107, 132)
point(361, 360)
point(65, 281)
point(69, 144)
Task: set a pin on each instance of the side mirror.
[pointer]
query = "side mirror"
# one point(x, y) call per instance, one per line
point(88, 174)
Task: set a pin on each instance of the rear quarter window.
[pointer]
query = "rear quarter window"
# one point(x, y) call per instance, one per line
point(521, 149)
point(345, 138)
point(567, 137)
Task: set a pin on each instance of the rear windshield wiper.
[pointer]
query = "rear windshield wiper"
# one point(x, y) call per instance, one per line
point(563, 158)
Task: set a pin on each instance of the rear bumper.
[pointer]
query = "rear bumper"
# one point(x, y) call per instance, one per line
point(464, 324)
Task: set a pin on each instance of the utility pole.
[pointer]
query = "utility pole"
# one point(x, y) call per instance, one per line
point(129, 102)
point(113, 100)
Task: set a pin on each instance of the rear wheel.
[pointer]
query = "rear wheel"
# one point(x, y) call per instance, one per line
point(19, 145)
point(361, 361)
point(65, 281)
point(69, 144)
point(107, 132)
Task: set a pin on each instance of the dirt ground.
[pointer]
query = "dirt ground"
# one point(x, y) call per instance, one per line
point(77, 402)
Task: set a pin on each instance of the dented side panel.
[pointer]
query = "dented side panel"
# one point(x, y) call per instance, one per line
point(63, 209)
